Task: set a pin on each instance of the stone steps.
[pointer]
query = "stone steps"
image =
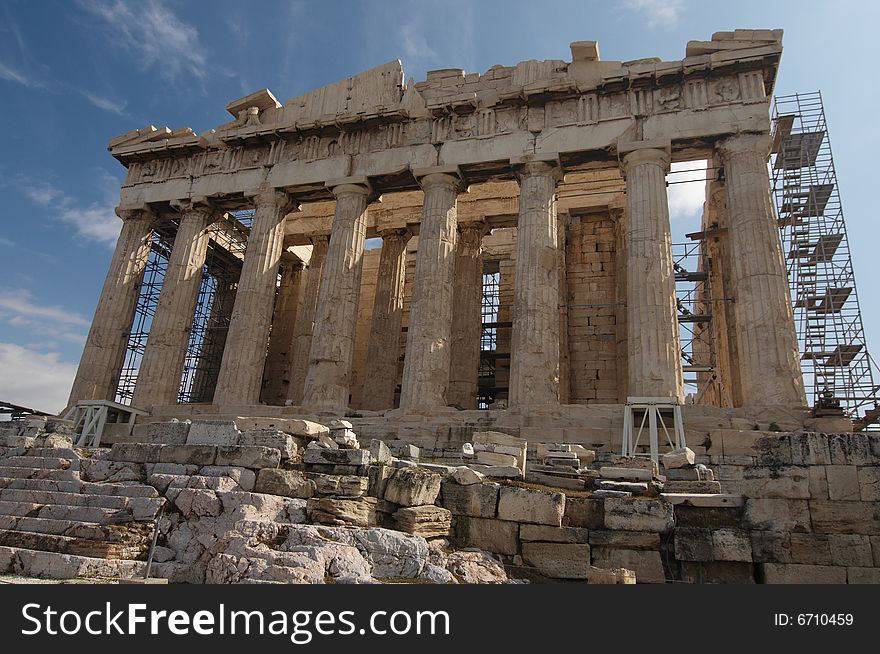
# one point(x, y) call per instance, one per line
point(10, 472)
point(99, 515)
point(55, 565)
point(41, 462)
point(135, 548)
point(75, 486)
point(73, 528)
point(62, 498)
point(44, 452)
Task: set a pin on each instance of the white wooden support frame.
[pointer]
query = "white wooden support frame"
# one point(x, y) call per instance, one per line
point(651, 408)
point(91, 416)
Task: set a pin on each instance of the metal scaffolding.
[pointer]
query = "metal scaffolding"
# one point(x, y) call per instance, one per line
point(834, 354)
point(694, 312)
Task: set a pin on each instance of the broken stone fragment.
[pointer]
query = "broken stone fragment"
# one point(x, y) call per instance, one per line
point(678, 458)
point(428, 521)
point(289, 483)
point(412, 487)
point(360, 512)
point(379, 451)
point(466, 476)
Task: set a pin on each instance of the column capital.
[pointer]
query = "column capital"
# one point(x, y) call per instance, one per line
point(319, 239)
point(350, 185)
point(267, 196)
point(739, 143)
point(471, 237)
point(439, 176)
point(526, 167)
point(398, 234)
point(634, 153)
point(195, 206)
point(135, 212)
point(289, 258)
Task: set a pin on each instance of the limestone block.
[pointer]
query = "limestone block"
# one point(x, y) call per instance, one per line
point(632, 487)
point(708, 517)
point(496, 459)
point(610, 577)
point(476, 500)
point(691, 474)
point(283, 442)
point(857, 575)
point(339, 457)
point(777, 514)
point(500, 472)
point(678, 458)
point(246, 479)
point(305, 428)
point(771, 450)
point(625, 474)
point(829, 517)
point(850, 449)
point(843, 483)
point(378, 476)
point(201, 455)
point(694, 545)
point(555, 481)
point(831, 549)
point(558, 560)
point(547, 534)
point(810, 449)
point(500, 449)
point(99, 470)
point(584, 512)
point(169, 433)
point(135, 452)
point(638, 515)
point(403, 450)
point(602, 493)
point(340, 424)
point(790, 482)
point(717, 572)
point(428, 521)
point(412, 487)
point(289, 483)
point(213, 432)
point(630, 540)
point(379, 451)
point(782, 573)
point(732, 545)
point(340, 485)
point(498, 536)
point(771, 546)
point(648, 565)
point(360, 512)
point(465, 476)
point(194, 503)
point(869, 483)
point(526, 505)
point(708, 487)
point(249, 457)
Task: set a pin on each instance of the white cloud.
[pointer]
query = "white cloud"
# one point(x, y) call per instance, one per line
point(34, 379)
point(12, 75)
point(43, 194)
point(19, 303)
point(106, 104)
point(660, 13)
point(153, 35)
point(686, 198)
point(95, 222)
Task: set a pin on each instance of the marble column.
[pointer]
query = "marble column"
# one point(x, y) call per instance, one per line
point(428, 338)
point(467, 318)
point(241, 371)
point(305, 318)
point(276, 374)
point(104, 352)
point(770, 371)
point(205, 379)
point(383, 351)
point(328, 380)
point(158, 380)
point(534, 351)
point(653, 343)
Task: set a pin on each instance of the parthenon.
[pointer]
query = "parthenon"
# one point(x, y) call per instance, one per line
point(546, 179)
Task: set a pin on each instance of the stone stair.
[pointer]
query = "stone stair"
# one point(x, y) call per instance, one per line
point(55, 525)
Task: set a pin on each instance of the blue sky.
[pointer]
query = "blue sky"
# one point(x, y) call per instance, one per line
point(73, 74)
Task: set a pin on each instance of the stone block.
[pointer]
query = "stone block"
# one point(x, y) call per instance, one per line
point(339, 485)
point(476, 500)
point(632, 487)
point(558, 560)
point(213, 432)
point(379, 451)
point(498, 536)
point(404, 450)
point(288, 483)
point(691, 474)
point(412, 487)
point(717, 572)
point(281, 441)
point(843, 483)
point(773, 450)
point(625, 474)
point(245, 478)
point(648, 565)
point(534, 506)
point(610, 577)
point(771, 546)
point(869, 483)
point(694, 545)
point(249, 457)
point(818, 483)
point(465, 476)
point(297, 427)
point(859, 575)
point(732, 545)
point(499, 472)
point(795, 573)
point(427, 521)
point(850, 449)
point(584, 512)
point(630, 540)
point(166, 433)
point(707, 517)
point(548, 534)
point(360, 512)
point(378, 476)
point(829, 517)
point(200, 455)
point(555, 481)
point(810, 449)
point(638, 515)
point(707, 487)
point(789, 482)
point(495, 459)
point(678, 458)
point(337, 457)
point(775, 514)
point(135, 452)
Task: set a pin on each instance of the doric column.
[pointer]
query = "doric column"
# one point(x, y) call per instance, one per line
point(654, 353)
point(276, 374)
point(534, 369)
point(383, 350)
point(158, 380)
point(241, 372)
point(205, 379)
point(770, 371)
point(305, 318)
point(104, 352)
point(426, 363)
point(467, 322)
point(328, 380)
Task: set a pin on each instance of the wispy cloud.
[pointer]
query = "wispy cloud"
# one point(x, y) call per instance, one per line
point(12, 75)
point(96, 221)
point(659, 13)
point(687, 190)
point(19, 302)
point(106, 104)
point(5, 242)
point(29, 377)
point(153, 34)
